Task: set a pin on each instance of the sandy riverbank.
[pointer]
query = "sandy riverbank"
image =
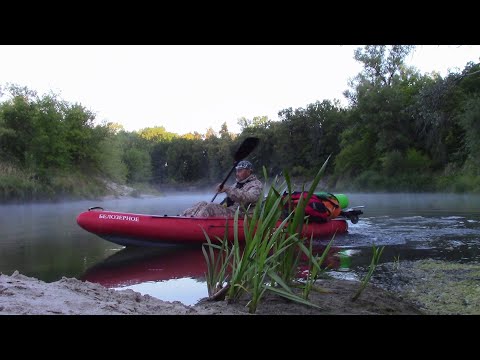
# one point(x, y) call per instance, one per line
point(408, 288)
point(20, 294)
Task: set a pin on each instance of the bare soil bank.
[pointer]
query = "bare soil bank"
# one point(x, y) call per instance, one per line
point(20, 294)
point(407, 288)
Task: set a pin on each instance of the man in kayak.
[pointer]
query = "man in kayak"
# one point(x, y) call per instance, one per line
point(244, 193)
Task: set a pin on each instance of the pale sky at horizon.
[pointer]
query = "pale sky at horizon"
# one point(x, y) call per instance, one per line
point(187, 88)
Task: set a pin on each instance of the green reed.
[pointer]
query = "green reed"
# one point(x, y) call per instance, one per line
point(217, 274)
point(314, 266)
point(269, 259)
point(371, 268)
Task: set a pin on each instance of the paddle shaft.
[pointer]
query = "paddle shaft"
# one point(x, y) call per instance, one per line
point(224, 181)
point(243, 151)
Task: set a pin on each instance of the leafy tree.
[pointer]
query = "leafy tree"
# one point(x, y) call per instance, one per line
point(155, 134)
point(210, 133)
point(110, 159)
point(17, 124)
point(160, 165)
point(378, 123)
point(469, 119)
point(224, 133)
point(186, 160)
point(138, 163)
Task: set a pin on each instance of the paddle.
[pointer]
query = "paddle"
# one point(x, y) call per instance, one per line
point(245, 148)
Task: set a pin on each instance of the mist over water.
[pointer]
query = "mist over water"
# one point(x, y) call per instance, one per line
point(44, 240)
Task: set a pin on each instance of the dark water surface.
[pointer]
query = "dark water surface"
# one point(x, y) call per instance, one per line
point(44, 241)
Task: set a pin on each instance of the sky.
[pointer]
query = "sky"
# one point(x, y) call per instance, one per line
point(187, 88)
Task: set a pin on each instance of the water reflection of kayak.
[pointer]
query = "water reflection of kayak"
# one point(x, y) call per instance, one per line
point(136, 265)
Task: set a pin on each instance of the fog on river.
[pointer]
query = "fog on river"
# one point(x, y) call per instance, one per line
point(44, 240)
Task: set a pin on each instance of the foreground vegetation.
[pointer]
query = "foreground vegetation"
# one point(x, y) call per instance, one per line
point(402, 131)
point(271, 258)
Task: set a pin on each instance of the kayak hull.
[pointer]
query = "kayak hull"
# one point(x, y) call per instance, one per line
point(131, 229)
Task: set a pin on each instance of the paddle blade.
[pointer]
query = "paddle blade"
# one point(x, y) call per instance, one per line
point(248, 145)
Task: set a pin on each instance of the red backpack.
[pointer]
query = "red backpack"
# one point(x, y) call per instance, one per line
point(320, 208)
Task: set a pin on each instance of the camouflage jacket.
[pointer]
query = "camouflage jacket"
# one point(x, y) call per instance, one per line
point(245, 192)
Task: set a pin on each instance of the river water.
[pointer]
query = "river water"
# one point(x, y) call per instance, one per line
point(44, 241)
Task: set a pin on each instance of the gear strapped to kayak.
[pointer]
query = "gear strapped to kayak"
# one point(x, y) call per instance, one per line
point(321, 207)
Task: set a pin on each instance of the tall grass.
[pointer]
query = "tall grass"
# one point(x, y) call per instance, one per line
point(217, 258)
point(270, 257)
point(272, 254)
point(377, 252)
point(314, 267)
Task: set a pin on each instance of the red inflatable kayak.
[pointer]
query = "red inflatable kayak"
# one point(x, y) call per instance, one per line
point(154, 230)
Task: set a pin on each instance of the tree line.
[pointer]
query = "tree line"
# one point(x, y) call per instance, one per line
point(401, 131)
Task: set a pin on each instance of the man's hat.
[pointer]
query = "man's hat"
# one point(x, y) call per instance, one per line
point(244, 164)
